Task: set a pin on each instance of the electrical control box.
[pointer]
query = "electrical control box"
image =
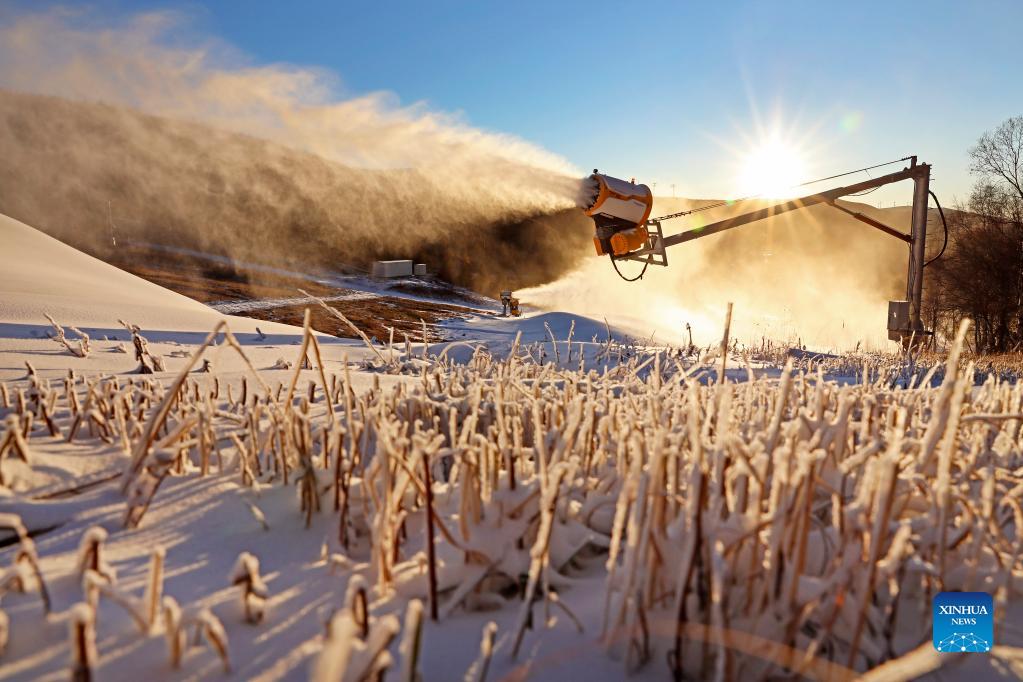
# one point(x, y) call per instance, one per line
point(898, 320)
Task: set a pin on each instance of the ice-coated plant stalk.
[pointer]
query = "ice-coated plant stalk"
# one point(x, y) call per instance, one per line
point(5, 631)
point(724, 344)
point(332, 663)
point(91, 554)
point(254, 591)
point(411, 639)
point(212, 631)
point(357, 604)
point(539, 553)
point(26, 560)
point(817, 516)
point(82, 635)
point(173, 631)
point(479, 669)
point(431, 556)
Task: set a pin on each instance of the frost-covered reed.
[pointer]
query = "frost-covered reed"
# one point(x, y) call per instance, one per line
point(786, 523)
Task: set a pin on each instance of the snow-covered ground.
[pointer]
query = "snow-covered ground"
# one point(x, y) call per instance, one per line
point(585, 489)
point(69, 488)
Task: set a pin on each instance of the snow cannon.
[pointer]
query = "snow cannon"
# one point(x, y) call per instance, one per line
point(619, 209)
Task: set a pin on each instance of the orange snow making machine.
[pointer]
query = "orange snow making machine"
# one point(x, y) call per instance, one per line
point(619, 209)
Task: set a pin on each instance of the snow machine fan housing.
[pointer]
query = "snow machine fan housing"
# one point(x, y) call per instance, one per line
point(619, 209)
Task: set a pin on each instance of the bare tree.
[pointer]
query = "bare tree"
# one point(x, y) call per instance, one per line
point(998, 155)
point(981, 274)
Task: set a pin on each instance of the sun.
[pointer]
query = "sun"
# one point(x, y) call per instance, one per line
point(773, 168)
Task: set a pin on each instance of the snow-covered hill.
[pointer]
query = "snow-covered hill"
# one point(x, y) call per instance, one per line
point(41, 275)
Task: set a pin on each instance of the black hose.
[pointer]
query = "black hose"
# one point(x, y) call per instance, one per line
point(639, 276)
point(944, 244)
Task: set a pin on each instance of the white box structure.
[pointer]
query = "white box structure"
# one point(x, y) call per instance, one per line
point(419, 270)
point(392, 268)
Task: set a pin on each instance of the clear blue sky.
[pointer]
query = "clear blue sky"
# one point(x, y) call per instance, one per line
point(668, 91)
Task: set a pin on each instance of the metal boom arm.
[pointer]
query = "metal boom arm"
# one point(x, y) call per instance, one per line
point(909, 321)
point(794, 204)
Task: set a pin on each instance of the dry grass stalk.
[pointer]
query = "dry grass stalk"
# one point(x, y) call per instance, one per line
point(91, 555)
point(154, 587)
point(212, 631)
point(254, 590)
point(724, 343)
point(478, 671)
point(174, 632)
point(792, 507)
point(339, 315)
point(5, 631)
point(82, 635)
point(25, 566)
point(79, 348)
point(411, 640)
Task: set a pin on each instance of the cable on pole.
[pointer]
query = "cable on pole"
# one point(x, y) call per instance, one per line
point(944, 224)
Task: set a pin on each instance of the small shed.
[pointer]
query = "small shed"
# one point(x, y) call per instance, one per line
point(392, 268)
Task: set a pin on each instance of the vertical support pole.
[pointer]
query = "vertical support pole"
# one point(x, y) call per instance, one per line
point(918, 234)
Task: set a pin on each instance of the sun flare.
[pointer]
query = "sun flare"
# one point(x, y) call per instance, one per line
point(772, 168)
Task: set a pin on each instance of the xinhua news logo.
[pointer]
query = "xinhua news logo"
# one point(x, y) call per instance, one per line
point(963, 621)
